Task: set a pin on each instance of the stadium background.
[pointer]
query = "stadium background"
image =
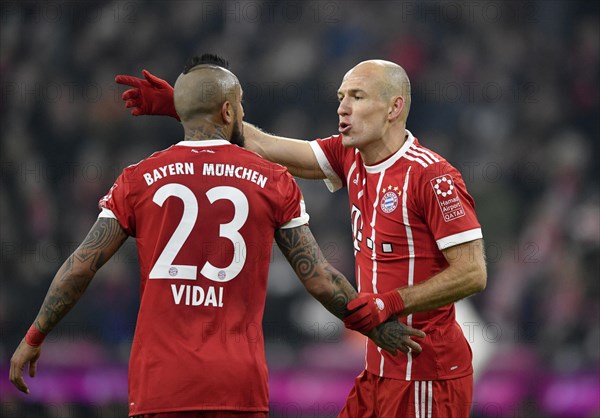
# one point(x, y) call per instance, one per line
point(507, 91)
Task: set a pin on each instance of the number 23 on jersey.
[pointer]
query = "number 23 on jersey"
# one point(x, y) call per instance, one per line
point(165, 269)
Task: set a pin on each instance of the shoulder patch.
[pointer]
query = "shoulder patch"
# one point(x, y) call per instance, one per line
point(447, 197)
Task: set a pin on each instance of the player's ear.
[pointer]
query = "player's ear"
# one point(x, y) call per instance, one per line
point(395, 109)
point(227, 112)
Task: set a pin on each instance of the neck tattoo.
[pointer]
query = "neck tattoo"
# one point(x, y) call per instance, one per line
point(205, 132)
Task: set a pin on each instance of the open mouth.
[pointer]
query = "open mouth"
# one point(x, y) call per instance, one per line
point(344, 127)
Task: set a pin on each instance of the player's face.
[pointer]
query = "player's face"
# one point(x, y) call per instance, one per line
point(362, 111)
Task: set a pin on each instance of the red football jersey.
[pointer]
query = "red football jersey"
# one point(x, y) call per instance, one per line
point(404, 211)
point(203, 214)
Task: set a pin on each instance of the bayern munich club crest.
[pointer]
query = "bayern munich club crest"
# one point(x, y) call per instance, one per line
point(389, 201)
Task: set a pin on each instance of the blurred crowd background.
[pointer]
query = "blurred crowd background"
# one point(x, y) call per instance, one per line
point(506, 91)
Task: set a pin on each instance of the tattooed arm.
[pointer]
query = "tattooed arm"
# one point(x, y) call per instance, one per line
point(333, 290)
point(321, 280)
point(68, 285)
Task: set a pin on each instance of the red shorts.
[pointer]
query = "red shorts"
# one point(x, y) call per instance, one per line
point(380, 397)
point(206, 414)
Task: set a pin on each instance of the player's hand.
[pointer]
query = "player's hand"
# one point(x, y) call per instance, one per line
point(393, 335)
point(369, 310)
point(152, 96)
point(23, 354)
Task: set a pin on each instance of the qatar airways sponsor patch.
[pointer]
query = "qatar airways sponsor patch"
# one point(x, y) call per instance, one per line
point(447, 197)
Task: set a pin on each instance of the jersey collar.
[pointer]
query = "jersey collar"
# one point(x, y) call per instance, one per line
point(204, 143)
point(385, 164)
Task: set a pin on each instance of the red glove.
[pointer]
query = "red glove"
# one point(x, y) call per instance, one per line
point(152, 96)
point(371, 309)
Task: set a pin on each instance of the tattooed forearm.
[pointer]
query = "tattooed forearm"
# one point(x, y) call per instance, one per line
point(331, 288)
point(324, 282)
point(74, 276)
point(343, 293)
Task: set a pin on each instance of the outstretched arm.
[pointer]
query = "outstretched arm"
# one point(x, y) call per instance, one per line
point(154, 96)
point(67, 287)
point(295, 154)
point(333, 290)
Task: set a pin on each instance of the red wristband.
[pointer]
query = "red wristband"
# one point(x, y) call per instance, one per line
point(396, 301)
point(34, 337)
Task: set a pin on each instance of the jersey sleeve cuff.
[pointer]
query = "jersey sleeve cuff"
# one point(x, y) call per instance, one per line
point(107, 213)
point(332, 181)
point(296, 222)
point(459, 238)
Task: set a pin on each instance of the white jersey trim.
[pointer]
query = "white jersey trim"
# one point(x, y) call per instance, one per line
point(332, 181)
point(427, 152)
point(459, 238)
point(416, 159)
point(351, 171)
point(374, 257)
point(423, 399)
point(417, 402)
point(429, 398)
point(395, 157)
point(296, 222)
point(203, 143)
point(413, 150)
point(106, 213)
point(300, 220)
point(411, 260)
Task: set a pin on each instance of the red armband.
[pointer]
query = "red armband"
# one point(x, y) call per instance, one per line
point(34, 337)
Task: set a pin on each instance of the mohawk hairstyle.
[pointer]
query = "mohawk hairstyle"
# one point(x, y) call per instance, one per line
point(210, 59)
